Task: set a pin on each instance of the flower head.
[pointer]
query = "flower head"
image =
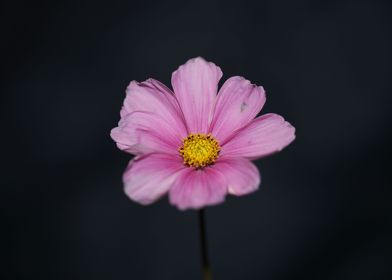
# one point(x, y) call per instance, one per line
point(194, 142)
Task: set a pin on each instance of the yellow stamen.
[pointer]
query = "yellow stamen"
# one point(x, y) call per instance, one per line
point(199, 150)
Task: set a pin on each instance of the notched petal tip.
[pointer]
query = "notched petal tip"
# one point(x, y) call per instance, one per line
point(196, 207)
point(184, 205)
point(264, 136)
point(199, 62)
point(291, 132)
point(234, 191)
point(132, 85)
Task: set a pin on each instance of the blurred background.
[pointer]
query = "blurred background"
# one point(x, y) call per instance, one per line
point(324, 207)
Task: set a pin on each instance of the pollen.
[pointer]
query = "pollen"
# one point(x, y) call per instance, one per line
point(199, 150)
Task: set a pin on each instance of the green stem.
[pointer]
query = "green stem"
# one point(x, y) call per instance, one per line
point(204, 248)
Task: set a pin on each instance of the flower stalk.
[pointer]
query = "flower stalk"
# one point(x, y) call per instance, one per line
point(204, 247)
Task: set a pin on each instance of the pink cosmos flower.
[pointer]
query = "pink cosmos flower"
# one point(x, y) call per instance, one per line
point(194, 142)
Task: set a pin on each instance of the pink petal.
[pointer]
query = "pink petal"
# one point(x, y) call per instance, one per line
point(198, 188)
point(195, 86)
point(149, 177)
point(150, 112)
point(152, 96)
point(242, 175)
point(265, 135)
point(237, 104)
point(142, 132)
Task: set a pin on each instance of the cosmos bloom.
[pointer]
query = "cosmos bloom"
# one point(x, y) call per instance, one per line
point(194, 142)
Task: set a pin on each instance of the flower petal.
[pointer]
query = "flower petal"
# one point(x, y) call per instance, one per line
point(237, 104)
point(151, 120)
point(149, 177)
point(195, 189)
point(241, 174)
point(143, 132)
point(265, 135)
point(152, 96)
point(195, 86)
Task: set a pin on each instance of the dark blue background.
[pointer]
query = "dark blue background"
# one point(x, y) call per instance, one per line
point(324, 207)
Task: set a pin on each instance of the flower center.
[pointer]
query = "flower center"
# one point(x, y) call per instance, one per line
point(199, 150)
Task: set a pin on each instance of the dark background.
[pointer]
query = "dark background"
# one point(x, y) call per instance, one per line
point(324, 207)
